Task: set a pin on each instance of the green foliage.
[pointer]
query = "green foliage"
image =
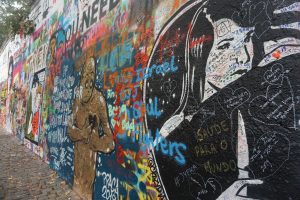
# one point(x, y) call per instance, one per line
point(14, 18)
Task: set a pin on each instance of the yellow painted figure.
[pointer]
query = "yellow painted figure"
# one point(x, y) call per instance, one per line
point(89, 113)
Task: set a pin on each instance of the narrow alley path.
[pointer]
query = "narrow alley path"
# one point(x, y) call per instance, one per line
point(24, 176)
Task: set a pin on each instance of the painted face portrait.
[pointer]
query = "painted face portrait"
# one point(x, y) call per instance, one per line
point(224, 52)
point(52, 50)
point(230, 57)
point(87, 80)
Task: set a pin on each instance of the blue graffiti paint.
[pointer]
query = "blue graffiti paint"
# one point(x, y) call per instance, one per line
point(168, 148)
point(60, 146)
point(166, 67)
point(152, 108)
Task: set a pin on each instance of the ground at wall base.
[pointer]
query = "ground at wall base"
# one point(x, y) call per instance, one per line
point(24, 176)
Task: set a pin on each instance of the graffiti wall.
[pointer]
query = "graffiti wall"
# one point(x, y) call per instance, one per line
point(176, 99)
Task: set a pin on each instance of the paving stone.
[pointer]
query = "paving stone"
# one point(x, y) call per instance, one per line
point(24, 176)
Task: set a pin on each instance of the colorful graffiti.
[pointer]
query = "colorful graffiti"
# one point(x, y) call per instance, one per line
point(174, 99)
point(34, 106)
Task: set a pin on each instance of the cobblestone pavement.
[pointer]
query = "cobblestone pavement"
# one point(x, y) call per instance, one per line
point(24, 176)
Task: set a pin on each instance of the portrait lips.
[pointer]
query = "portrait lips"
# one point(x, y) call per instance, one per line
point(239, 72)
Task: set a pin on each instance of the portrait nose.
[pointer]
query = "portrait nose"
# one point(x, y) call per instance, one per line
point(246, 58)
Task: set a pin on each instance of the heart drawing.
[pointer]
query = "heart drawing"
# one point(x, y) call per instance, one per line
point(239, 16)
point(261, 28)
point(169, 87)
point(201, 188)
point(231, 99)
point(275, 74)
point(265, 155)
point(276, 107)
point(256, 10)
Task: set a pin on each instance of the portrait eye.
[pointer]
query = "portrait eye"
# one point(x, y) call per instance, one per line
point(224, 46)
point(247, 39)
